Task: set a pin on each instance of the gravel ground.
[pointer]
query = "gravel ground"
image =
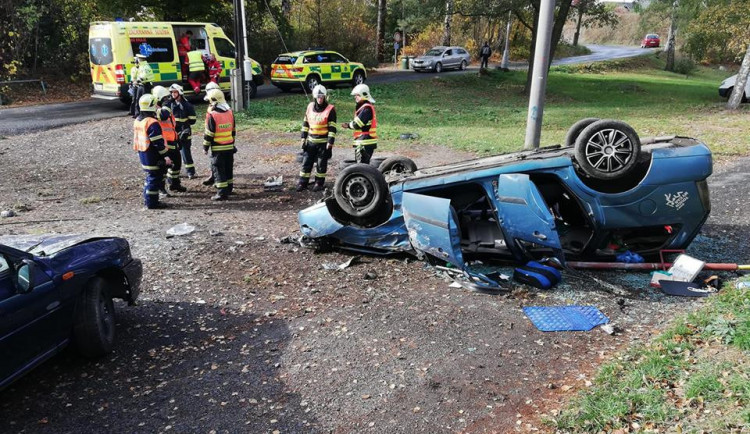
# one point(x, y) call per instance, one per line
point(237, 332)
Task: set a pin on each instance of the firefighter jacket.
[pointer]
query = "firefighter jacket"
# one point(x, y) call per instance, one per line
point(195, 61)
point(184, 117)
point(220, 131)
point(319, 125)
point(168, 128)
point(148, 142)
point(365, 125)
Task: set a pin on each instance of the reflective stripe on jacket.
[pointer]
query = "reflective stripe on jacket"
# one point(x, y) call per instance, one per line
point(141, 140)
point(221, 138)
point(364, 129)
point(195, 61)
point(318, 125)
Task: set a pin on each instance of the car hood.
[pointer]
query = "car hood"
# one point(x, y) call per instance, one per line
point(426, 57)
point(46, 244)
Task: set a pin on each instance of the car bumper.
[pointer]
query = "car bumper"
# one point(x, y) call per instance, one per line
point(422, 67)
point(134, 273)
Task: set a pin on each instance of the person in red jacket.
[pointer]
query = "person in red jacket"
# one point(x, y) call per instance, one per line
point(183, 46)
point(214, 68)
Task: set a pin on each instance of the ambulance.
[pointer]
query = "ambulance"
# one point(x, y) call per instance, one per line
point(113, 45)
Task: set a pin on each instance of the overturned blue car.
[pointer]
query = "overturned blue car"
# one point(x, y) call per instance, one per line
point(56, 290)
point(604, 190)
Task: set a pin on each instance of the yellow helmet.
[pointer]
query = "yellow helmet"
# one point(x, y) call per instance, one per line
point(147, 103)
point(215, 96)
point(160, 92)
point(212, 85)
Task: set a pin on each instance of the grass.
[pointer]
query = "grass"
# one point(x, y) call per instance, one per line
point(487, 114)
point(695, 376)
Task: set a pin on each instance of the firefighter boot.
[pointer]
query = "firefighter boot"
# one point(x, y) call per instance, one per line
point(319, 184)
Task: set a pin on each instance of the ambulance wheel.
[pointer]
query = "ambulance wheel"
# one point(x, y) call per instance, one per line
point(311, 81)
point(358, 78)
point(398, 165)
point(361, 191)
point(607, 149)
point(126, 101)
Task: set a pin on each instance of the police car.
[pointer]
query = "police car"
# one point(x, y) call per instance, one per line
point(312, 67)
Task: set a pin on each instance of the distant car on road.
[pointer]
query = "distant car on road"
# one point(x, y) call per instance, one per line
point(58, 289)
point(440, 58)
point(727, 86)
point(651, 40)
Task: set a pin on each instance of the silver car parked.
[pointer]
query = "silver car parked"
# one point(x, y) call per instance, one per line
point(440, 58)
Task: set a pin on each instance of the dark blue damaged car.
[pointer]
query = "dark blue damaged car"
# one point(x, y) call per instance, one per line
point(56, 290)
point(604, 190)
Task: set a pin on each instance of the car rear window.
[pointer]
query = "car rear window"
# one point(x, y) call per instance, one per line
point(100, 51)
point(285, 60)
point(155, 49)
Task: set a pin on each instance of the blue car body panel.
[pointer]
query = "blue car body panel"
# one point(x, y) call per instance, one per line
point(36, 325)
point(528, 200)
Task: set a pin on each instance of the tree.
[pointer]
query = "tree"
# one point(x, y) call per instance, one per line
point(380, 50)
point(447, 22)
point(669, 46)
point(596, 15)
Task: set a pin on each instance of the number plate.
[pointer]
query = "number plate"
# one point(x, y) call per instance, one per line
point(279, 71)
point(98, 86)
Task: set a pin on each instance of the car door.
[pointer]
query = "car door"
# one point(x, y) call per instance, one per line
point(524, 216)
point(448, 59)
point(432, 227)
point(29, 325)
point(339, 68)
point(225, 54)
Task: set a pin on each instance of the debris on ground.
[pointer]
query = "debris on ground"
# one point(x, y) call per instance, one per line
point(180, 229)
point(565, 318)
point(341, 266)
point(274, 182)
point(7, 213)
point(408, 136)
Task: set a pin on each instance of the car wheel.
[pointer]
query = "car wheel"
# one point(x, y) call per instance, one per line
point(438, 67)
point(361, 191)
point(575, 130)
point(397, 165)
point(94, 327)
point(311, 82)
point(358, 78)
point(374, 162)
point(253, 89)
point(607, 149)
point(462, 66)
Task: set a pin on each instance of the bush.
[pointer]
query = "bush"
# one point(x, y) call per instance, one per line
point(684, 66)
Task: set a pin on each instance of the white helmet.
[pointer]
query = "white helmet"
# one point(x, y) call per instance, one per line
point(212, 85)
point(147, 103)
point(215, 96)
point(160, 92)
point(363, 90)
point(319, 90)
point(176, 87)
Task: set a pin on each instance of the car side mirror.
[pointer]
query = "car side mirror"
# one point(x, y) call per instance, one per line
point(25, 276)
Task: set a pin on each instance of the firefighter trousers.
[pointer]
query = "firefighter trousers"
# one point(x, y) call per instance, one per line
point(318, 155)
point(154, 182)
point(187, 156)
point(173, 171)
point(222, 168)
point(363, 154)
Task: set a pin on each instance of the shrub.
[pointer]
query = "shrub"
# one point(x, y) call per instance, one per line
point(684, 66)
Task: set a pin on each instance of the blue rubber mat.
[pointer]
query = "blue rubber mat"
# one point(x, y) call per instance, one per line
point(565, 318)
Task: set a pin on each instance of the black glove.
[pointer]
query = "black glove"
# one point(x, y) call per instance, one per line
point(328, 153)
point(303, 142)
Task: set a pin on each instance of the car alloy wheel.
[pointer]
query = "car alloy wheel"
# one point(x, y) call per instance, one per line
point(463, 65)
point(359, 78)
point(311, 82)
point(438, 67)
point(607, 149)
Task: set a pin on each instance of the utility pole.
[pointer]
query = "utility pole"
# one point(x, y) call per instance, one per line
point(506, 51)
point(239, 76)
point(539, 75)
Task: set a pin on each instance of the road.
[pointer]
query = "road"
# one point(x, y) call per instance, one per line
point(22, 120)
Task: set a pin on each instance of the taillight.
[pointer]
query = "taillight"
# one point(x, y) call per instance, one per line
point(120, 74)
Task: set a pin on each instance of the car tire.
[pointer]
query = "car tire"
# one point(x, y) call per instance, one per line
point(358, 78)
point(94, 327)
point(575, 130)
point(398, 165)
point(361, 191)
point(375, 162)
point(462, 66)
point(607, 149)
point(438, 67)
point(311, 81)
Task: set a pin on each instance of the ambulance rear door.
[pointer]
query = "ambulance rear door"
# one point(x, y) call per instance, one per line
point(104, 71)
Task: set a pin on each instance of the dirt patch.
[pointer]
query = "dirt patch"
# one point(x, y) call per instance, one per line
point(58, 89)
point(296, 347)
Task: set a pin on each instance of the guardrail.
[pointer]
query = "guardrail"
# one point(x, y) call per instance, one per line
point(33, 80)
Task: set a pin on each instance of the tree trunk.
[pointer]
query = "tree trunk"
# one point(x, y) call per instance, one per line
point(447, 22)
point(286, 7)
point(669, 48)
point(740, 83)
point(578, 25)
point(380, 46)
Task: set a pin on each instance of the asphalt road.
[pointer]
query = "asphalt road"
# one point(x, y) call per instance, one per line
point(14, 121)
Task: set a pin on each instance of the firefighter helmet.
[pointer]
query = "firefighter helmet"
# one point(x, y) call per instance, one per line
point(319, 90)
point(160, 92)
point(212, 85)
point(176, 87)
point(363, 90)
point(215, 96)
point(147, 103)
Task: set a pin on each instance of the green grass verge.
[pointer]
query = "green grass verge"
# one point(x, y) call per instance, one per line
point(696, 375)
point(487, 114)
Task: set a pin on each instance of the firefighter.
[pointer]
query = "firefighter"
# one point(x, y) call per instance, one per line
point(196, 69)
point(169, 133)
point(211, 85)
point(219, 138)
point(148, 142)
point(364, 125)
point(214, 68)
point(318, 135)
point(141, 77)
point(184, 116)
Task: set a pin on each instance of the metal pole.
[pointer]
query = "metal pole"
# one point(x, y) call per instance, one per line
point(239, 103)
point(539, 75)
point(247, 66)
point(506, 51)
